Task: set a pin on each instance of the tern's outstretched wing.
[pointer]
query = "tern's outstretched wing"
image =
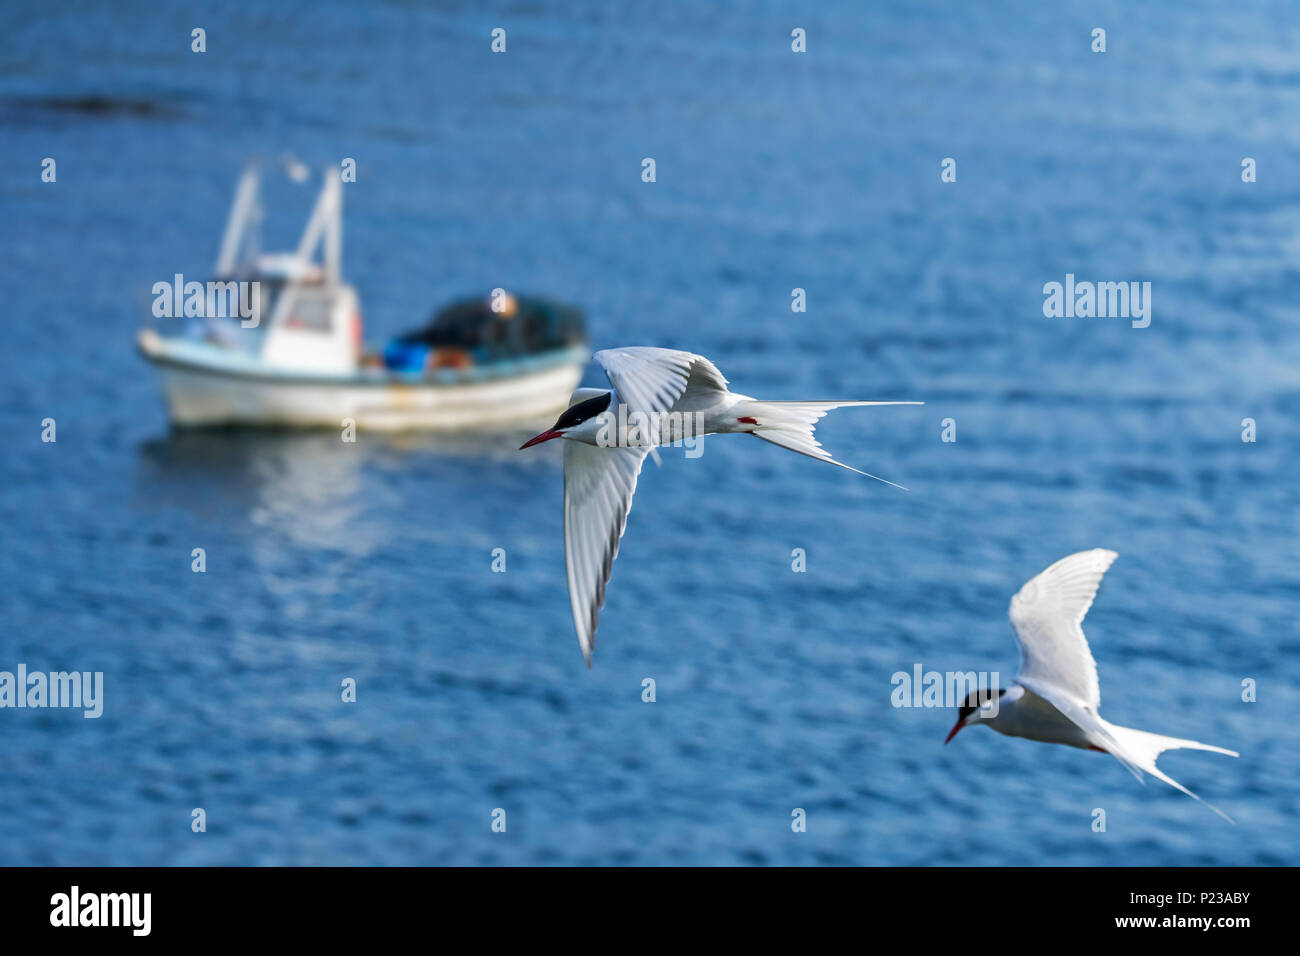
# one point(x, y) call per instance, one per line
point(598, 488)
point(1055, 661)
point(660, 380)
point(1047, 615)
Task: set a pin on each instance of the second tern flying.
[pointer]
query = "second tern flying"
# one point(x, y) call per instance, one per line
point(659, 396)
point(1056, 695)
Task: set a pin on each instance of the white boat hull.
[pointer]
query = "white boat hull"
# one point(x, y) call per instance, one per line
point(207, 396)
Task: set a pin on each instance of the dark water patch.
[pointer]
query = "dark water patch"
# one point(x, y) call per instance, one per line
point(93, 106)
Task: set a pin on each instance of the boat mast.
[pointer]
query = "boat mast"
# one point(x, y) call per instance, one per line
point(242, 226)
point(325, 227)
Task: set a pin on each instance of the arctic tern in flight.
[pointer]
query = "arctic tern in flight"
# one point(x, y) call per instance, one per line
point(659, 396)
point(1055, 696)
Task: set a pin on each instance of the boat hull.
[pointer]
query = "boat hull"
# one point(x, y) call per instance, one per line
point(206, 396)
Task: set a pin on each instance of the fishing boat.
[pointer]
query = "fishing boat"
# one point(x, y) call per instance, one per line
point(276, 340)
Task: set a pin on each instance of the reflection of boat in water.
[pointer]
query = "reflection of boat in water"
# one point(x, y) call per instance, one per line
point(297, 359)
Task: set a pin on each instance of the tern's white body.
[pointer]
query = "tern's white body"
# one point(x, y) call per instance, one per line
point(659, 396)
point(1056, 695)
point(717, 415)
point(1022, 713)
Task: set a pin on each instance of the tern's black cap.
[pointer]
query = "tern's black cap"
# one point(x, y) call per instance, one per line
point(976, 700)
point(577, 414)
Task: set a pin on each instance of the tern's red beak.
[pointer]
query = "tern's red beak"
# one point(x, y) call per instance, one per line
point(953, 733)
point(544, 436)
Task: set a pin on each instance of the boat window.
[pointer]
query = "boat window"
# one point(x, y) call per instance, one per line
point(310, 310)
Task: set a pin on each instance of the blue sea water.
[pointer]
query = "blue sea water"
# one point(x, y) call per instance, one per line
point(774, 170)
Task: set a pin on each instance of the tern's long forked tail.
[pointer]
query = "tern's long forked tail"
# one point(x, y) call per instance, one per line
point(791, 425)
point(1143, 748)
